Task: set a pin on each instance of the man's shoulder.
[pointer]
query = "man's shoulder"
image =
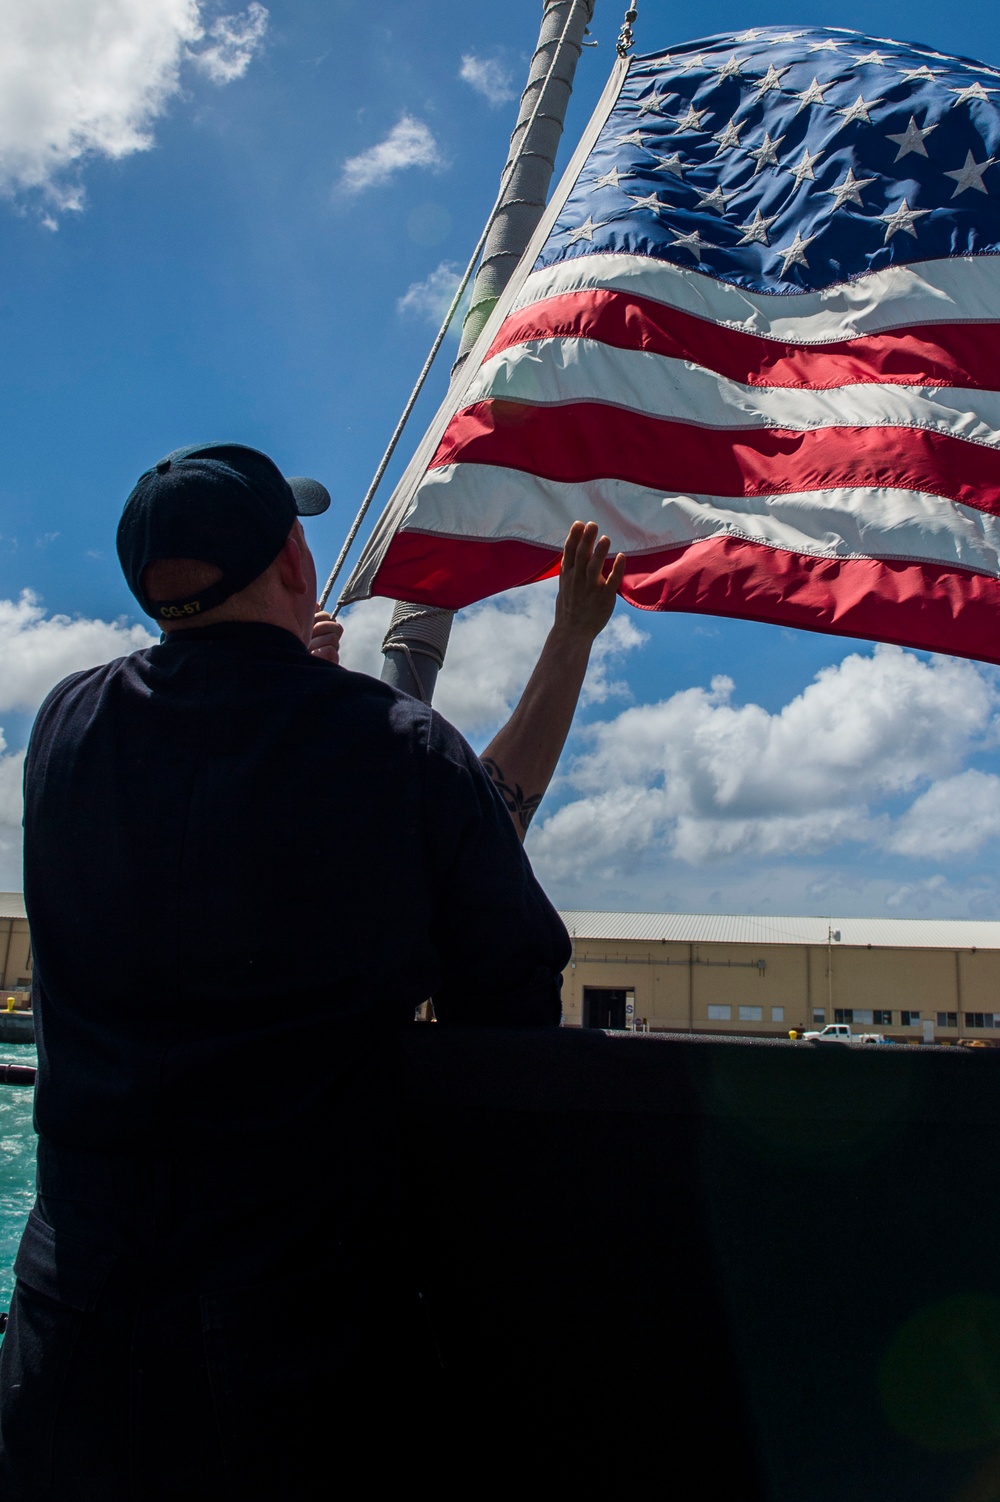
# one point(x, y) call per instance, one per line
point(85, 682)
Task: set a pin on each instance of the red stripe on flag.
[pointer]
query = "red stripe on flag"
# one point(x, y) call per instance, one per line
point(947, 354)
point(920, 605)
point(584, 441)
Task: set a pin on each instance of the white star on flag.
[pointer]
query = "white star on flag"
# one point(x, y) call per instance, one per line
point(771, 79)
point(634, 138)
point(650, 201)
point(692, 242)
point(911, 139)
point(767, 153)
point(651, 105)
point(828, 46)
point(922, 72)
point(692, 120)
point(859, 110)
point(971, 175)
point(731, 68)
point(795, 254)
point(694, 60)
point(804, 167)
point(715, 200)
point(849, 191)
point(812, 95)
point(974, 91)
point(674, 164)
point(610, 179)
point(900, 219)
point(730, 136)
point(585, 231)
point(756, 231)
point(875, 58)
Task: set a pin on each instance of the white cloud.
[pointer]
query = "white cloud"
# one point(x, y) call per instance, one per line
point(88, 78)
point(488, 76)
point(38, 650)
point(493, 648)
point(430, 299)
point(696, 777)
point(409, 144)
point(955, 816)
point(233, 42)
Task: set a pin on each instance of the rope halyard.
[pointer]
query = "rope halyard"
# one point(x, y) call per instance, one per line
point(626, 37)
point(452, 309)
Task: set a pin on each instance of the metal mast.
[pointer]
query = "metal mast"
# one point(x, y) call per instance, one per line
point(417, 639)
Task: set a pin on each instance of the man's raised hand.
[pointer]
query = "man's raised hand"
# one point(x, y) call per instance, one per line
point(326, 636)
point(586, 598)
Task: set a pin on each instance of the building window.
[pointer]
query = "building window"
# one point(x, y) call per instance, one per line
point(719, 1014)
point(863, 1016)
point(909, 1019)
point(882, 1019)
point(947, 1019)
point(843, 1014)
point(819, 1016)
point(777, 1014)
point(981, 1019)
point(751, 1014)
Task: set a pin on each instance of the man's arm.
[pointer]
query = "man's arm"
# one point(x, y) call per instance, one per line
point(522, 757)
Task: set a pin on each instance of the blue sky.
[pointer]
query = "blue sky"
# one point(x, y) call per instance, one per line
point(187, 252)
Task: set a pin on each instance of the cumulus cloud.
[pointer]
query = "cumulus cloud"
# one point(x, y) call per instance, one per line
point(430, 299)
point(698, 778)
point(88, 78)
point(955, 816)
point(232, 42)
point(410, 143)
point(488, 76)
point(38, 650)
point(494, 646)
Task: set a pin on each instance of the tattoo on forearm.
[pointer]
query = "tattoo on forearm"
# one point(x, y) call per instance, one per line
point(520, 804)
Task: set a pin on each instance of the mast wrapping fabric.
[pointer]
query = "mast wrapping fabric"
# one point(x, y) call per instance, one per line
point(755, 337)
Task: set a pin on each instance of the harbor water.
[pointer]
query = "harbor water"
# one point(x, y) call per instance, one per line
point(17, 1164)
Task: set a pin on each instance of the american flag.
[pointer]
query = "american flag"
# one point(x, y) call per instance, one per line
point(756, 339)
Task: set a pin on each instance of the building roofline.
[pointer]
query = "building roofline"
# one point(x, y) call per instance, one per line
point(737, 928)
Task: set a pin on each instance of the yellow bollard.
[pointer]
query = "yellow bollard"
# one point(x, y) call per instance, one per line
point(10, 1003)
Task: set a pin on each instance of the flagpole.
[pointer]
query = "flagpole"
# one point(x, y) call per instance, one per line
point(417, 639)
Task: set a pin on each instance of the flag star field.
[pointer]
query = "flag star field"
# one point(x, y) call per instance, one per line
point(789, 161)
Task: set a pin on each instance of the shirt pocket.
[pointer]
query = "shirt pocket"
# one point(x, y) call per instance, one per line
point(59, 1281)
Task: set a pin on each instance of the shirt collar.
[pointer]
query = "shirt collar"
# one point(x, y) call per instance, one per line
point(257, 638)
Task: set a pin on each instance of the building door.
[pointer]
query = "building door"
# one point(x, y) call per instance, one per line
point(603, 1007)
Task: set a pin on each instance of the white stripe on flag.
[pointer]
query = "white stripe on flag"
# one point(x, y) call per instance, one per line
point(960, 290)
point(493, 503)
point(552, 372)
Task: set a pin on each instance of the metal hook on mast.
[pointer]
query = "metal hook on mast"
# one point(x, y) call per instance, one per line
point(626, 37)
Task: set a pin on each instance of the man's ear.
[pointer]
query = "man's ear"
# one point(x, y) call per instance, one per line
point(289, 561)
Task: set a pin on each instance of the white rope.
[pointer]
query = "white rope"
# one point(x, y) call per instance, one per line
point(442, 331)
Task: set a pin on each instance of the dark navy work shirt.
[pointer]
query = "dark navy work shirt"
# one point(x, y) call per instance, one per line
point(237, 858)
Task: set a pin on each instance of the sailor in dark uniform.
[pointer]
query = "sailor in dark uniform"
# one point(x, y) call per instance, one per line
point(211, 1296)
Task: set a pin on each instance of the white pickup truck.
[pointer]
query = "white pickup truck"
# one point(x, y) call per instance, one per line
point(840, 1032)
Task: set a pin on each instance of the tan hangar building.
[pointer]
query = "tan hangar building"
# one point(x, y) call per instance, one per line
point(15, 949)
point(908, 978)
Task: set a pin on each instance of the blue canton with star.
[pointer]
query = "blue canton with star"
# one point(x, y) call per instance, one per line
point(786, 161)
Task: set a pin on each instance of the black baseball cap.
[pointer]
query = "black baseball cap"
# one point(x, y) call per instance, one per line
point(221, 503)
